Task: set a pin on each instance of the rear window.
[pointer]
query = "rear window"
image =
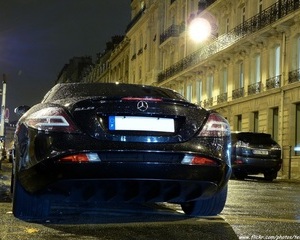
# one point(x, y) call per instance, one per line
point(254, 138)
point(108, 90)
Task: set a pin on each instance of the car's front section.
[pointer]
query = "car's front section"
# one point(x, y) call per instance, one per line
point(132, 148)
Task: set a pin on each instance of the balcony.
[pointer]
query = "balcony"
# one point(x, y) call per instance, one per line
point(254, 88)
point(294, 76)
point(222, 98)
point(266, 18)
point(172, 31)
point(238, 93)
point(208, 102)
point(274, 82)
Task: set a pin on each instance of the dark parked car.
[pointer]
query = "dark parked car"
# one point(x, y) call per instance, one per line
point(255, 153)
point(119, 142)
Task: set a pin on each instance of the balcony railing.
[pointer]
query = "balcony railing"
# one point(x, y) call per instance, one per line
point(172, 31)
point(208, 102)
point(238, 93)
point(294, 76)
point(274, 82)
point(222, 98)
point(252, 25)
point(254, 88)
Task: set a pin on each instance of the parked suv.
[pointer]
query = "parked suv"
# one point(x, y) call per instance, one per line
point(255, 153)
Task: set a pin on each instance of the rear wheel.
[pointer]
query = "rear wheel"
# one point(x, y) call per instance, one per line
point(29, 206)
point(270, 176)
point(206, 207)
point(240, 175)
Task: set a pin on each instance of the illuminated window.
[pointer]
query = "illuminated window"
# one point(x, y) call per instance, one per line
point(189, 92)
point(199, 91)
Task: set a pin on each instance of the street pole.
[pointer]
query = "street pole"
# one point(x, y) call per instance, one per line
point(3, 118)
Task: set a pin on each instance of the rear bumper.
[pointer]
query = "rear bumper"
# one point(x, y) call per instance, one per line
point(128, 170)
point(124, 181)
point(256, 165)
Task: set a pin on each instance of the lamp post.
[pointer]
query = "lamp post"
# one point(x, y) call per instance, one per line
point(3, 118)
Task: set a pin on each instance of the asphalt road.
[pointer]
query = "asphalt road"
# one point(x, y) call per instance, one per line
point(255, 209)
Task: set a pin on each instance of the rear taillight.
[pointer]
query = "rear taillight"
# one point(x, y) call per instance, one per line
point(238, 161)
point(81, 158)
point(215, 126)
point(198, 160)
point(52, 119)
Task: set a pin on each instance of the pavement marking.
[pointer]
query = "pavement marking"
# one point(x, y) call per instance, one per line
point(261, 219)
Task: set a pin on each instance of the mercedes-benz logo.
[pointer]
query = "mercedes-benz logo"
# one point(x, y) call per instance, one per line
point(142, 106)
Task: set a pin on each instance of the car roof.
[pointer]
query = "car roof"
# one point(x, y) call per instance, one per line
point(73, 90)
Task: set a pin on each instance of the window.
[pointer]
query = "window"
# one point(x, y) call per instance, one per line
point(275, 61)
point(238, 122)
point(255, 121)
point(189, 92)
point(257, 68)
point(199, 91)
point(241, 75)
point(181, 91)
point(297, 127)
point(243, 14)
point(209, 86)
point(275, 123)
point(227, 25)
point(224, 80)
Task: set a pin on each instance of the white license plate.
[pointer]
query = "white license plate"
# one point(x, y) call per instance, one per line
point(260, 152)
point(134, 123)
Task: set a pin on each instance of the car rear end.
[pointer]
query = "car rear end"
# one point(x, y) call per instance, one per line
point(255, 153)
point(129, 143)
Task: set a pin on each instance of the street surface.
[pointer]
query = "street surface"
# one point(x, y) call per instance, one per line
point(255, 209)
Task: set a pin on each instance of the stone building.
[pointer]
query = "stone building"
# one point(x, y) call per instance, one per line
point(248, 68)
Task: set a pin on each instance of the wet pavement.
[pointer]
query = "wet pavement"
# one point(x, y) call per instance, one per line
point(255, 209)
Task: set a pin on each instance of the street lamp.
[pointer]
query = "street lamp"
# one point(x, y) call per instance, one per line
point(199, 29)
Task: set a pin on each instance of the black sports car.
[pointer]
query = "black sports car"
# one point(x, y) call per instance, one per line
point(96, 142)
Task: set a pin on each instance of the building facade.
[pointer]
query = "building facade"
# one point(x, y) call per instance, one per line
point(248, 68)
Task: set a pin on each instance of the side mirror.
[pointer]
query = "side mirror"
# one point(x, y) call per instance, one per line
point(21, 110)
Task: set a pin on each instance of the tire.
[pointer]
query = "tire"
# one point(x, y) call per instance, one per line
point(270, 176)
point(240, 175)
point(206, 207)
point(27, 206)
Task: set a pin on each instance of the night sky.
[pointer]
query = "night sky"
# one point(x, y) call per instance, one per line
point(38, 37)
